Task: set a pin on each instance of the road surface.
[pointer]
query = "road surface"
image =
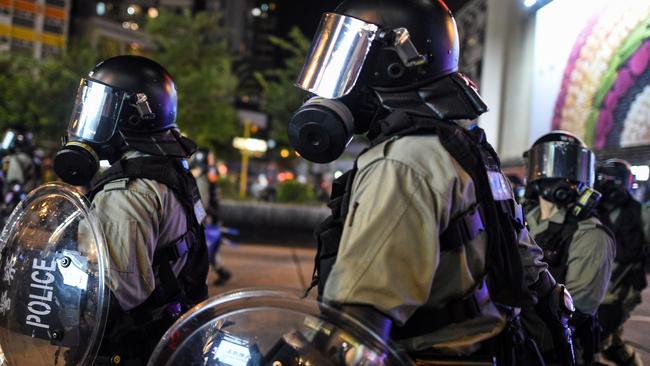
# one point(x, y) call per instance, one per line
point(291, 267)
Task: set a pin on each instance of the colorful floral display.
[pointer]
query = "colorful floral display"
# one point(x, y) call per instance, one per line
point(604, 96)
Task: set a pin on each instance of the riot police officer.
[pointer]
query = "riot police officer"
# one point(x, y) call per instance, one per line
point(629, 220)
point(147, 202)
point(20, 164)
point(425, 237)
point(577, 247)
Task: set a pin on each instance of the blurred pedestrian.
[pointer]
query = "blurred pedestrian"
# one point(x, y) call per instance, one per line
point(20, 163)
point(202, 166)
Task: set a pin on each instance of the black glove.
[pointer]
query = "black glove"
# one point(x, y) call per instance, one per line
point(555, 307)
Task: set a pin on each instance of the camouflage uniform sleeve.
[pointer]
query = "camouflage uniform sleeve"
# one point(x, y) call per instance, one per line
point(591, 255)
point(130, 219)
point(389, 250)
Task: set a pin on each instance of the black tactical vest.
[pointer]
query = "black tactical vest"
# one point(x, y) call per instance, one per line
point(500, 219)
point(555, 242)
point(151, 319)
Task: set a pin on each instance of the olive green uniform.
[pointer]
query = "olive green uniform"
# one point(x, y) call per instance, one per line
point(137, 215)
point(590, 258)
point(404, 194)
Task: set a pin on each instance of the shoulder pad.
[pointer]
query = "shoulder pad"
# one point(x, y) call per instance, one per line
point(116, 185)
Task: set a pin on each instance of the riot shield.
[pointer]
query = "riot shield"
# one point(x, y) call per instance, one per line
point(53, 295)
point(270, 327)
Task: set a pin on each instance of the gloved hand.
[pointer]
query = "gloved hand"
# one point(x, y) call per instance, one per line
point(555, 307)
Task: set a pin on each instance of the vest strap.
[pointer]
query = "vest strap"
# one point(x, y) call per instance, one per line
point(463, 229)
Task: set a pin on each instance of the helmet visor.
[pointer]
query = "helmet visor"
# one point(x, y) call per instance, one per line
point(337, 54)
point(559, 159)
point(96, 111)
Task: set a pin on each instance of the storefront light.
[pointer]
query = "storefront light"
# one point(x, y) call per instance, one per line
point(535, 4)
point(101, 8)
point(152, 12)
point(641, 172)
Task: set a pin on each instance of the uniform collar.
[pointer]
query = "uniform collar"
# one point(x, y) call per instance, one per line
point(538, 226)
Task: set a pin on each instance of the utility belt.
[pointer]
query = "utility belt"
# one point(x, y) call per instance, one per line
point(511, 347)
point(429, 319)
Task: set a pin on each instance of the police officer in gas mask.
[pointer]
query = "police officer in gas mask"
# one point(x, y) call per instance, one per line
point(577, 247)
point(425, 237)
point(20, 165)
point(629, 220)
point(147, 202)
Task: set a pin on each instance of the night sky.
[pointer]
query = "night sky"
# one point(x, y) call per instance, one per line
point(306, 13)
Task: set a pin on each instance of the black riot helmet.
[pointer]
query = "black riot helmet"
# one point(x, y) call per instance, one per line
point(384, 43)
point(614, 180)
point(560, 169)
point(369, 57)
point(125, 103)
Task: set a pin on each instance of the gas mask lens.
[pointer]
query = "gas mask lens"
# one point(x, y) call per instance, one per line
point(336, 57)
point(96, 111)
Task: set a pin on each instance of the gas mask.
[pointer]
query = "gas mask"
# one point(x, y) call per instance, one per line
point(324, 125)
point(91, 133)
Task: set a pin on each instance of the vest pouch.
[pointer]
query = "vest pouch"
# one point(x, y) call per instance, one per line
point(329, 235)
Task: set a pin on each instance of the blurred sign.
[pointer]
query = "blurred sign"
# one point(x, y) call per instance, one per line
point(255, 118)
point(249, 144)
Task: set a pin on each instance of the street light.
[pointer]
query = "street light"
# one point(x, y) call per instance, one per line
point(152, 12)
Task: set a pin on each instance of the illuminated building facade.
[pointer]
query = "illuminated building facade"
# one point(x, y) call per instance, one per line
point(39, 27)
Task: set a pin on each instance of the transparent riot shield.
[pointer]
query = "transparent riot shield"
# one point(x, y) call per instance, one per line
point(53, 295)
point(270, 327)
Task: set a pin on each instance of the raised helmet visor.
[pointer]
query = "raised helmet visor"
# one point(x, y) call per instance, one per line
point(337, 54)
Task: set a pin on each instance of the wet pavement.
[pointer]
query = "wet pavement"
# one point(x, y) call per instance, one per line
point(291, 268)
